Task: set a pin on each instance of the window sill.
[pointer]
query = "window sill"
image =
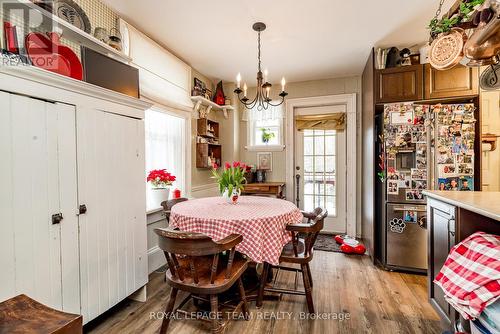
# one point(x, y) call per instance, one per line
point(263, 148)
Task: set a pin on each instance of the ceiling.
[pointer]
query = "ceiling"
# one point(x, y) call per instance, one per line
point(304, 40)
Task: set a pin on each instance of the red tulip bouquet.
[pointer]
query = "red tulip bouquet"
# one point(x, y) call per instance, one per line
point(231, 180)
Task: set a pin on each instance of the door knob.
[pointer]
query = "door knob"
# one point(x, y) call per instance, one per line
point(82, 209)
point(56, 218)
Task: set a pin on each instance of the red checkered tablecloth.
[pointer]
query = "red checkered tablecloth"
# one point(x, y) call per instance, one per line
point(470, 277)
point(260, 220)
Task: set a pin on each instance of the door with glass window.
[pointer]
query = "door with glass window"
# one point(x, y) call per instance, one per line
point(320, 160)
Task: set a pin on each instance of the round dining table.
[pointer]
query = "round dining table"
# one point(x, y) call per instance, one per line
point(260, 220)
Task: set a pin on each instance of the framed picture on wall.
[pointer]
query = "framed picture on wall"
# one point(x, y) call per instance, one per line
point(265, 161)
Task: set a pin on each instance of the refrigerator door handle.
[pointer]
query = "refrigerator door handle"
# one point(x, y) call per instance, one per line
point(409, 209)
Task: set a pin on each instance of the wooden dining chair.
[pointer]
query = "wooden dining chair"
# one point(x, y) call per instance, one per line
point(196, 265)
point(298, 251)
point(167, 206)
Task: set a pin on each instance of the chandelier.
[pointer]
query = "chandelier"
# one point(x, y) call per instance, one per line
point(262, 98)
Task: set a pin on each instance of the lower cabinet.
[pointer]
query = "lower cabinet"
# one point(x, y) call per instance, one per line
point(441, 227)
point(111, 184)
point(72, 205)
point(39, 253)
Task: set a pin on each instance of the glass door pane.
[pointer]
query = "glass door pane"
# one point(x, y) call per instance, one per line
point(320, 167)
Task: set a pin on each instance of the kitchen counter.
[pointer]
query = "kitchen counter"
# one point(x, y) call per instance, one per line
point(453, 216)
point(481, 202)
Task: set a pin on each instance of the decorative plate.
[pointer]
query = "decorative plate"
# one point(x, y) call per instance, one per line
point(70, 12)
point(63, 61)
point(447, 50)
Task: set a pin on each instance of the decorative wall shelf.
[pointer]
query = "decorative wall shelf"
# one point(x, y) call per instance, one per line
point(201, 101)
point(74, 34)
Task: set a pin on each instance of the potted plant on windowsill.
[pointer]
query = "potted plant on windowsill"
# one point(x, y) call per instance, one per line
point(231, 180)
point(267, 135)
point(160, 180)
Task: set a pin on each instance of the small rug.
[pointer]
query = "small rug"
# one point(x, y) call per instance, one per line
point(325, 242)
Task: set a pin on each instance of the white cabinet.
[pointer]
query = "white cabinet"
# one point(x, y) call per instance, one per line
point(111, 183)
point(38, 178)
point(55, 157)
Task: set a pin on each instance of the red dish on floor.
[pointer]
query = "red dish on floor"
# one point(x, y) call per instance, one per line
point(49, 54)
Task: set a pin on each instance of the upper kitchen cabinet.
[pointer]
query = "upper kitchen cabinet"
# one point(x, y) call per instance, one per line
point(456, 82)
point(399, 84)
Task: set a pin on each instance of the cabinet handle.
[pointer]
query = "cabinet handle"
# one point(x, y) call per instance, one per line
point(56, 218)
point(82, 209)
point(451, 227)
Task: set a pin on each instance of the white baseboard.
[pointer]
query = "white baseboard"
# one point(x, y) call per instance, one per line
point(156, 259)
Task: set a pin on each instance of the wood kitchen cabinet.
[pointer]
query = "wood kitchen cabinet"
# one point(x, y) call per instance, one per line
point(456, 82)
point(399, 84)
point(441, 229)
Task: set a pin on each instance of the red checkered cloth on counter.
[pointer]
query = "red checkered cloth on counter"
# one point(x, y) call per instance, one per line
point(261, 221)
point(470, 277)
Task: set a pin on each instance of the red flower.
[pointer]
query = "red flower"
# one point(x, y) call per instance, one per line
point(160, 177)
point(227, 165)
point(214, 166)
point(243, 166)
point(236, 164)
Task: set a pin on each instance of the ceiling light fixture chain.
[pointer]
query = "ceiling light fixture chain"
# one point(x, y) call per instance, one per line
point(262, 98)
point(259, 52)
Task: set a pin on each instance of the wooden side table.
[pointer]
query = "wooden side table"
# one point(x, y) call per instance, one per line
point(266, 188)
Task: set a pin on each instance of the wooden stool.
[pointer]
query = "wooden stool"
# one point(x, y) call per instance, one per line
point(21, 314)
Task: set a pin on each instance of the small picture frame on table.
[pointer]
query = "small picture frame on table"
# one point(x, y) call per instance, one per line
point(265, 161)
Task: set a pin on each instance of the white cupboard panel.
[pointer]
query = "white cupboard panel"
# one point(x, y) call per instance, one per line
point(7, 254)
point(113, 231)
point(30, 171)
point(68, 201)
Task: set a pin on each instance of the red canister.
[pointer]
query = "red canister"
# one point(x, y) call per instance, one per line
point(176, 194)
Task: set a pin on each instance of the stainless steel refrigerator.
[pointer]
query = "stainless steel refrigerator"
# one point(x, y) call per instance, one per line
point(420, 147)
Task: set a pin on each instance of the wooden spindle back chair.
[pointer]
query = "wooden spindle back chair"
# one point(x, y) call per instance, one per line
point(196, 265)
point(167, 206)
point(298, 251)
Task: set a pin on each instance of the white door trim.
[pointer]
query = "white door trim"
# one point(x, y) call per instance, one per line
point(349, 100)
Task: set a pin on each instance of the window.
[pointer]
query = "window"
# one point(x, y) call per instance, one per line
point(320, 170)
point(265, 129)
point(166, 146)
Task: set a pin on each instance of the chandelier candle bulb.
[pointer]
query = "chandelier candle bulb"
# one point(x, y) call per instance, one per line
point(268, 89)
point(265, 75)
point(245, 89)
point(283, 82)
point(238, 80)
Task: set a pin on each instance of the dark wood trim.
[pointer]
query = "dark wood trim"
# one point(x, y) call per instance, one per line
point(368, 226)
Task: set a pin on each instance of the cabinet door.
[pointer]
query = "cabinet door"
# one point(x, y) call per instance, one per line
point(441, 241)
point(38, 178)
point(456, 82)
point(111, 183)
point(399, 84)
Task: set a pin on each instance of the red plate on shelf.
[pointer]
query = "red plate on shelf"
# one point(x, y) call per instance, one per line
point(49, 54)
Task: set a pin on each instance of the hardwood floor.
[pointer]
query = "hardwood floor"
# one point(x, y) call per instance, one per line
point(370, 299)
